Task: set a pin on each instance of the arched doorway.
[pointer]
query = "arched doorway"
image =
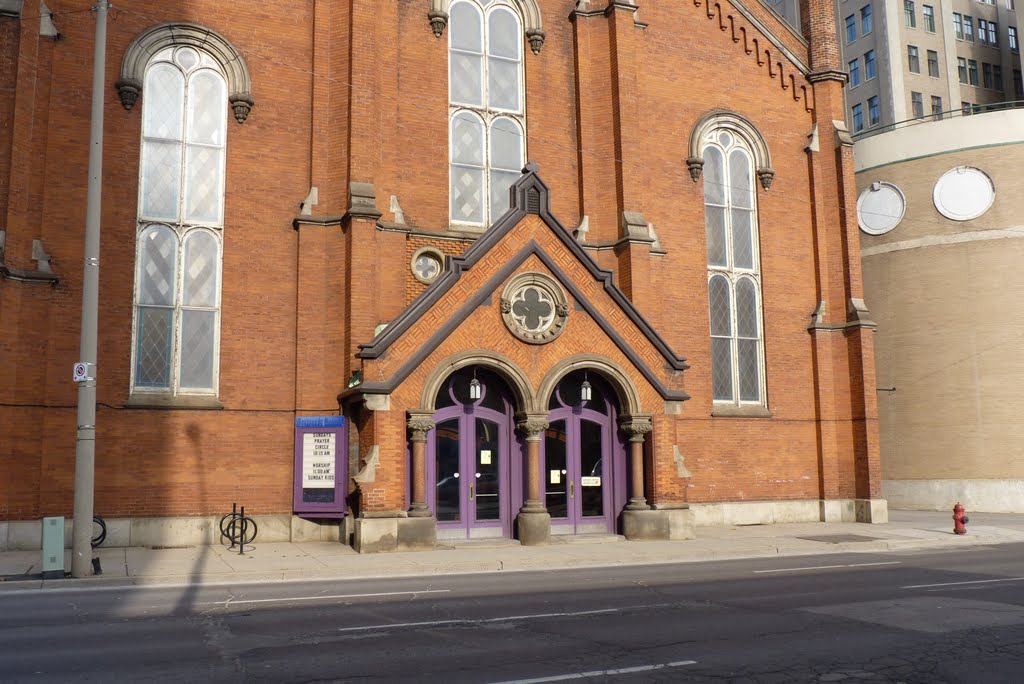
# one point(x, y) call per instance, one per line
point(583, 457)
point(473, 462)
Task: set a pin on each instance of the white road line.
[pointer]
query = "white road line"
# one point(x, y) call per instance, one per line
point(829, 567)
point(509, 618)
point(234, 602)
point(600, 673)
point(954, 584)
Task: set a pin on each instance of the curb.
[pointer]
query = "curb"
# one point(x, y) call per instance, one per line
point(469, 566)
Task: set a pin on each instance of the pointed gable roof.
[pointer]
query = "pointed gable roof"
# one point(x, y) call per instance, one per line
point(528, 195)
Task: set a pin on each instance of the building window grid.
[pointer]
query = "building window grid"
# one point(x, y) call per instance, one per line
point(851, 29)
point(909, 14)
point(968, 28)
point(734, 279)
point(913, 61)
point(933, 63)
point(936, 107)
point(874, 115)
point(854, 73)
point(917, 104)
point(958, 26)
point(997, 77)
point(179, 245)
point(487, 119)
point(1011, 35)
point(858, 118)
point(972, 71)
point(1018, 85)
point(928, 13)
point(961, 67)
point(986, 75)
point(865, 20)
point(869, 65)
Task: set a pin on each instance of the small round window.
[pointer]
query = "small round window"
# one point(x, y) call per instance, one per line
point(964, 193)
point(880, 208)
point(427, 264)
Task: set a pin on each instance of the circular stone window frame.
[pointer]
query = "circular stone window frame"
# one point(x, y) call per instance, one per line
point(875, 187)
point(960, 170)
point(438, 256)
point(547, 285)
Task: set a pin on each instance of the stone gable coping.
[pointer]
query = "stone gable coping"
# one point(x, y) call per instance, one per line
point(529, 195)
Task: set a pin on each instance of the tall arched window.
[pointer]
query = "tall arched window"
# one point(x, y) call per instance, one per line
point(180, 225)
point(734, 277)
point(486, 108)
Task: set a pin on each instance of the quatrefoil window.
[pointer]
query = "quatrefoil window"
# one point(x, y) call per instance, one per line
point(534, 308)
point(427, 264)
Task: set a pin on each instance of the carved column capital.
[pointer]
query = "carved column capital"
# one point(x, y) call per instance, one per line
point(636, 427)
point(419, 425)
point(533, 426)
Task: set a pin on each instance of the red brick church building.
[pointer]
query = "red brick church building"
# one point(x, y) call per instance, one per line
point(397, 272)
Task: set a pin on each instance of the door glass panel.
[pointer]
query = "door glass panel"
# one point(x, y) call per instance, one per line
point(488, 492)
point(555, 477)
point(592, 479)
point(447, 450)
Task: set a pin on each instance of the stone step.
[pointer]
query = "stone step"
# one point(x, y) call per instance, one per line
point(495, 543)
point(591, 538)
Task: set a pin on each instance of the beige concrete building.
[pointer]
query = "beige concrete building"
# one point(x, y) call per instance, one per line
point(940, 206)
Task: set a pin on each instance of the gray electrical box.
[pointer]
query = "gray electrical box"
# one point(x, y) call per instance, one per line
point(53, 547)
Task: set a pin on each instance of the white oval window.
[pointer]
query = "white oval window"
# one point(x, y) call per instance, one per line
point(880, 208)
point(964, 193)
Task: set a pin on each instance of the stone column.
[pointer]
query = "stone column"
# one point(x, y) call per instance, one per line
point(533, 521)
point(419, 425)
point(636, 428)
point(533, 427)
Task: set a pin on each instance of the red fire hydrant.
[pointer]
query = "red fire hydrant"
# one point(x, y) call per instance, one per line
point(959, 519)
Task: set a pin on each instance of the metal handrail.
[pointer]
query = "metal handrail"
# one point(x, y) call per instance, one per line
point(973, 110)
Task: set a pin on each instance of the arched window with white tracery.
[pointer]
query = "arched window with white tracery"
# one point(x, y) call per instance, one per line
point(486, 109)
point(734, 274)
point(176, 330)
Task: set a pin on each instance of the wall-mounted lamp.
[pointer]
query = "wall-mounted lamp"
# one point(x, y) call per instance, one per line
point(474, 387)
point(585, 389)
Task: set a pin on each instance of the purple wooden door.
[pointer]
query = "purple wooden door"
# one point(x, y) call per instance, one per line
point(582, 463)
point(469, 464)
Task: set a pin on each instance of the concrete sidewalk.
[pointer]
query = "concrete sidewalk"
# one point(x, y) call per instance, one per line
point(907, 530)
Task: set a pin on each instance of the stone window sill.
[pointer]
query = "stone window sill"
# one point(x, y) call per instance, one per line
point(166, 401)
point(733, 411)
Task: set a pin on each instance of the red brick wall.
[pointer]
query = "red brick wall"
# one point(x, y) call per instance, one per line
point(357, 91)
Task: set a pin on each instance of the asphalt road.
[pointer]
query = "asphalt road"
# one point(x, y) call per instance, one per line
point(928, 617)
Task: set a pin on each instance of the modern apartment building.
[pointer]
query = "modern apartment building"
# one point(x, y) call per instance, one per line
point(910, 59)
point(913, 59)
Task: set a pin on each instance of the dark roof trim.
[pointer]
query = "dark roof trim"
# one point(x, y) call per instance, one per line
point(483, 295)
point(529, 195)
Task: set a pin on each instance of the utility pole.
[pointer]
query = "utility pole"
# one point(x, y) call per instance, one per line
point(85, 443)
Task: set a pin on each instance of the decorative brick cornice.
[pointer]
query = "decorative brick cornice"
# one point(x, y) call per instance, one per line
point(757, 40)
